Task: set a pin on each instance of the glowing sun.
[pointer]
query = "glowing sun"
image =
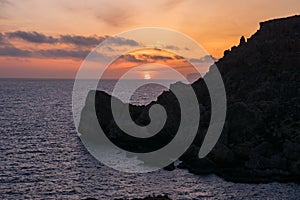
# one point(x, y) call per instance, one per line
point(147, 76)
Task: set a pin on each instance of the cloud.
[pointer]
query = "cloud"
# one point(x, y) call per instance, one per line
point(75, 54)
point(150, 58)
point(7, 49)
point(33, 37)
point(75, 49)
point(176, 48)
point(2, 39)
point(122, 41)
point(158, 57)
point(177, 57)
point(207, 58)
point(14, 52)
point(77, 40)
point(81, 40)
point(172, 47)
point(146, 58)
point(131, 58)
point(61, 53)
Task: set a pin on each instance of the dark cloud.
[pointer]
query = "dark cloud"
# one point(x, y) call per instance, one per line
point(8, 49)
point(95, 40)
point(157, 49)
point(146, 58)
point(150, 58)
point(14, 52)
point(176, 48)
point(131, 58)
point(72, 52)
point(33, 37)
point(158, 57)
point(88, 41)
point(52, 53)
point(122, 41)
point(81, 40)
point(179, 57)
point(2, 39)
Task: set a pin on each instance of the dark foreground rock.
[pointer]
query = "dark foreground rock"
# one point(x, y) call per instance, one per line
point(260, 141)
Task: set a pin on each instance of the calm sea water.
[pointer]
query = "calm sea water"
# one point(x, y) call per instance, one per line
point(43, 158)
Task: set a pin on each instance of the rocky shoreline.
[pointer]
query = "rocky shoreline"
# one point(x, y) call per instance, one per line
point(260, 141)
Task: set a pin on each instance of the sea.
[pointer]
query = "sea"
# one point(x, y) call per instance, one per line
point(42, 157)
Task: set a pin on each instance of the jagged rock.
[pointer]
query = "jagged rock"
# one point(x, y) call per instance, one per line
point(242, 41)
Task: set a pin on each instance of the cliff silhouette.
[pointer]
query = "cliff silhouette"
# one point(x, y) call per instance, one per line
point(260, 141)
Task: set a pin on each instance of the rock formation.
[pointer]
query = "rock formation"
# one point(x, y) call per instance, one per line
point(260, 141)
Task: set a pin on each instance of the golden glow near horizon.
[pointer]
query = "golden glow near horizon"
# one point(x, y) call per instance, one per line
point(152, 64)
point(147, 76)
point(67, 30)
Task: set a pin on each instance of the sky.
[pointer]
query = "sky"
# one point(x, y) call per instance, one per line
point(51, 38)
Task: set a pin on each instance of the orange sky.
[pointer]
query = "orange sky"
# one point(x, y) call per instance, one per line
point(54, 53)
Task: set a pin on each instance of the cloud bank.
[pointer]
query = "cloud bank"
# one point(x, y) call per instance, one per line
point(78, 46)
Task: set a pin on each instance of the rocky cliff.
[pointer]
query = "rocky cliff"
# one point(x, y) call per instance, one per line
point(260, 141)
point(261, 137)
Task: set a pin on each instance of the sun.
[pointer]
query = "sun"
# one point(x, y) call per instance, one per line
point(147, 76)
